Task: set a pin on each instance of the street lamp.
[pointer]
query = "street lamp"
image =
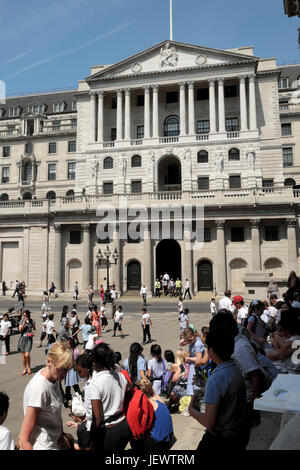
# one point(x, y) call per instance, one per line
point(100, 257)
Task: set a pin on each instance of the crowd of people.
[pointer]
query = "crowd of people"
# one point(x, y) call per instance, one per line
point(214, 376)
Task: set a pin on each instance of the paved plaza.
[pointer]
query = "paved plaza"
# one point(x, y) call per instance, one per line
point(165, 332)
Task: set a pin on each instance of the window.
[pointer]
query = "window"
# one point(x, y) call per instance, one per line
point(71, 171)
point(203, 182)
point(286, 129)
point(289, 182)
point(4, 197)
point(73, 123)
point(140, 132)
point(202, 94)
point(230, 91)
point(287, 154)
point(74, 105)
point(5, 174)
point(136, 186)
point(268, 183)
point(52, 147)
point(27, 172)
point(237, 234)
point(272, 234)
point(207, 234)
point(70, 193)
point(203, 127)
point(234, 181)
point(108, 163)
point(75, 237)
point(140, 100)
point(51, 195)
point(171, 97)
point(56, 126)
point(136, 161)
point(233, 154)
point(113, 134)
point(171, 127)
point(36, 109)
point(72, 146)
point(6, 152)
point(232, 124)
point(14, 112)
point(108, 187)
point(283, 83)
point(114, 103)
point(51, 171)
point(29, 149)
point(202, 156)
point(58, 107)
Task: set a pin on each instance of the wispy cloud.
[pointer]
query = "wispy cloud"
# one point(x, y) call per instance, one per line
point(70, 51)
point(14, 59)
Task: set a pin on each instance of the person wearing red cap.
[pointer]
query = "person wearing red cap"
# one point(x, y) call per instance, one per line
point(241, 309)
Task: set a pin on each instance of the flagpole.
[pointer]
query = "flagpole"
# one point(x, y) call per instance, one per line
point(171, 20)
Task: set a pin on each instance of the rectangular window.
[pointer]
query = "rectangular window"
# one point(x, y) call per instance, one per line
point(51, 171)
point(52, 147)
point(36, 109)
point(58, 107)
point(287, 155)
point(237, 234)
point(202, 94)
point(207, 234)
point(232, 124)
point(74, 123)
point(108, 187)
point(136, 186)
point(13, 112)
point(75, 237)
point(72, 146)
point(286, 129)
point(140, 132)
point(5, 174)
point(114, 103)
point(74, 105)
point(272, 234)
point(203, 182)
point(71, 171)
point(234, 181)
point(6, 152)
point(203, 127)
point(230, 91)
point(140, 100)
point(268, 183)
point(29, 149)
point(283, 83)
point(171, 97)
point(113, 134)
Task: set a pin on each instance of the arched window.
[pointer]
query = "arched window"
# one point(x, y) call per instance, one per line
point(4, 197)
point(290, 182)
point(202, 156)
point(108, 163)
point(27, 196)
point(70, 193)
point(233, 154)
point(171, 126)
point(136, 161)
point(51, 195)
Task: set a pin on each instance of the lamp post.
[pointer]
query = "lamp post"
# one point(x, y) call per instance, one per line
point(100, 258)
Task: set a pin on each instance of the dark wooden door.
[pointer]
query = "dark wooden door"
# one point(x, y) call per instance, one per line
point(205, 277)
point(134, 276)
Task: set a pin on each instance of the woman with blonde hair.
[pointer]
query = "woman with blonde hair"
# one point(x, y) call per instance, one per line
point(42, 427)
point(180, 371)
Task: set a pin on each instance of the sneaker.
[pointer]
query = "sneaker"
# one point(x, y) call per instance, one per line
point(186, 412)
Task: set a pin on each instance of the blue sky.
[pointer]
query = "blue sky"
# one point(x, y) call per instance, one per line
point(52, 44)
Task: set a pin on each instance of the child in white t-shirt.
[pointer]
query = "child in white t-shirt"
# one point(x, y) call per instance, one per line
point(6, 440)
point(118, 320)
point(91, 340)
point(213, 310)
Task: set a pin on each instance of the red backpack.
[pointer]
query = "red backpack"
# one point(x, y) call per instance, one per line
point(139, 411)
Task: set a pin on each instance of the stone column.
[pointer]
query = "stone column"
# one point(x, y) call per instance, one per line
point(127, 115)
point(182, 109)
point(147, 277)
point(188, 260)
point(117, 267)
point(119, 115)
point(100, 116)
point(221, 103)
point(243, 104)
point(221, 257)
point(93, 117)
point(86, 257)
point(146, 112)
point(57, 257)
point(252, 103)
point(255, 245)
point(292, 244)
point(155, 132)
point(212, 106)
point(191, 109)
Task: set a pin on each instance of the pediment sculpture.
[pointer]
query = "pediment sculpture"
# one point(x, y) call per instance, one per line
point(168, 56)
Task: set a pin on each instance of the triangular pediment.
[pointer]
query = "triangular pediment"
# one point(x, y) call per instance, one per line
point(170, 56)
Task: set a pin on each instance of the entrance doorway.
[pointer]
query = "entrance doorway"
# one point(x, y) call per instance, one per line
point(168, 259)
point(133, 275)
point(205, 276)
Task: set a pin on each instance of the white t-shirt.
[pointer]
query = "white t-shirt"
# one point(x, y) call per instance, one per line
point(113, 294)
point(212, 307)
point(143, 290)
point(110, 388)
point(102, 312)
point(118, 316)
point(90, 342)
point(166, 277)
point(40, 393)
point(50, 326)
point(226, 302)
point(187, 285)
point(242, 314)
point(4, 326)
point(44, 326)
point(146, 317)
point(180, 306)
point(6, 440)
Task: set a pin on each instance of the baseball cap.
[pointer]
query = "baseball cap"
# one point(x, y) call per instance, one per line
point(45, 315)
point(237, 298)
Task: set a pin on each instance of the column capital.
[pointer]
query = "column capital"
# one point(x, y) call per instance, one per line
point(147, 87)
point(191, 84)
point(220, 223)
point(255, 223)
point(155, 87)
point(85, 227)
point(119, 91)
point(291, 222)
point(242, 78)
point(182, 85)
point(212, 81)
point(127, 91)
point(251, 77)
point(221, 80)
point(93, 94)
point(57, 228)
point(100, 93)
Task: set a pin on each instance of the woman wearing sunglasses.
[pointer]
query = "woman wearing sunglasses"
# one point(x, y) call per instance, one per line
point(42, 428)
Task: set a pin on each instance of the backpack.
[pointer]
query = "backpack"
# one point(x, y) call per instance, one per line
point(138, 409)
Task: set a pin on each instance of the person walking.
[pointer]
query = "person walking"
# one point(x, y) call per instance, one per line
point(226, 303)
point(102, 292)
point(118, 320)
point(212, 306)
point(51, 289)
point(90, 295)
point(27, 330)
point(5, 332)
point(172, 287)
point(76, 290)
point(50, 330)
point(165, 286)
point(44, 329)
point(143, 294)
point(187, 289)
point(46, 306)
point(21, 302)
point(157, 288)
point(17, 287)
point(4, 288)
point(146, 323)
point(103, 317)
point(178, 287)
point(72, 377)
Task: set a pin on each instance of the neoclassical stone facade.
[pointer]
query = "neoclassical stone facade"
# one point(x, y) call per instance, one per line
point(175, 125)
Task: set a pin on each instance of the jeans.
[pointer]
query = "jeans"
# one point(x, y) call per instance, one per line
point(144, 296)
point(7, 344)
point(146, 332)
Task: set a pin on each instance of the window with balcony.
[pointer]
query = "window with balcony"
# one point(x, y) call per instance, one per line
point(203, 183)
point(234, 181)
point(51, 171)
point(171, 126)
point(140, 100)
point(232, 124)
point(237, 234)
point(230, 91)
point(136, 161)
point(272, 234)
point(286, 129)
point(52, 147)
point(108, 163)
point(6, 151)
point(202, 156)
point(29, 149)
point(171, 97)
point(140, 132)
point(75, 237)
point(71, 171)
point(72, 146)
point(70, 193)
point(203, 127)
point(108, 187)
point(136, 186)
point(233, 154)
point(5, 174)
point(202, 94)
point(287, 156)
point(290, 183)
point(267, 183)
point(4, 197)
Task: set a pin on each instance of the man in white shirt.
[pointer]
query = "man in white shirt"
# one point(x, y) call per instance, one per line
point(112, 294)
point(166, 277)
point(213, 309)
point(240, 308)
point(187, 289)
point(118, 320)
point(226, 302)
point(143, 293)
point(5, 330)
